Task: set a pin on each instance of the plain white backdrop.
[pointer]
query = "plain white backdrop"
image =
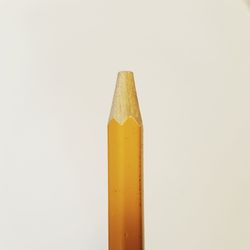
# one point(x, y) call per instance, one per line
point(58, 66)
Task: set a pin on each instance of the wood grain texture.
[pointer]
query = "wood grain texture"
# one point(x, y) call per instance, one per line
point(125, 102)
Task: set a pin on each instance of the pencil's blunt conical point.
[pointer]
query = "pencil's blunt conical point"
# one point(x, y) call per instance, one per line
point(125, 76)
point(125, 103)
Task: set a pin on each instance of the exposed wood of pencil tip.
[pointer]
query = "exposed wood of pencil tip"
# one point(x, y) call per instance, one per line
point(125, 102)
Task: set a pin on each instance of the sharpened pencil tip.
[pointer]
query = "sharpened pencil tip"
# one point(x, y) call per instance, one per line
point(125, 103)
point(125, 73)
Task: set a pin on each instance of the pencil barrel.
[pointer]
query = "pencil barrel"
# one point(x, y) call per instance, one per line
point(125, 185)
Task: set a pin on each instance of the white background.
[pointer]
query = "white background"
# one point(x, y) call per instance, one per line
point(58, 66)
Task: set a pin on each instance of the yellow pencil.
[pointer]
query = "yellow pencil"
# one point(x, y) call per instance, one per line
point(125, 178)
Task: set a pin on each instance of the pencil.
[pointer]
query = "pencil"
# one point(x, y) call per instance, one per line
point(125, 188)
